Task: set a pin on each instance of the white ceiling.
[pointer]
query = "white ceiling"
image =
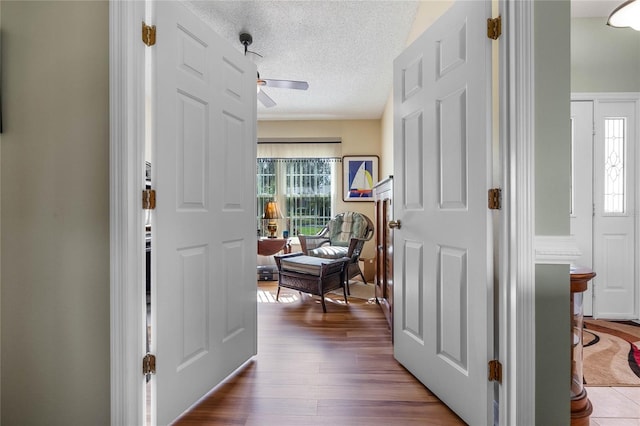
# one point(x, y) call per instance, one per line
point(344, 49)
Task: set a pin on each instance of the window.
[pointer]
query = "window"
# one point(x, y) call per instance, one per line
point(614, 173)
point(302, 178)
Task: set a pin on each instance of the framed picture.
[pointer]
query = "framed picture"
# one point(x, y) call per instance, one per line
point(359, 174)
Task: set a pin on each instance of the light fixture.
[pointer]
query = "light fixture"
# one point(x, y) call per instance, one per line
point(272, 212)
point(626, 15)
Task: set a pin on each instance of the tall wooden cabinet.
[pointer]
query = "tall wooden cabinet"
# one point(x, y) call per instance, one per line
point(383, 199)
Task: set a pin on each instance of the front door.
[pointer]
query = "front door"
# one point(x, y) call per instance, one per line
point(443, 296)
point(603, 205)
point(203, 293)
point(614, 243)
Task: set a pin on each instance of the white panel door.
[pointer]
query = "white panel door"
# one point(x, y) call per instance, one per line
point(443, 318)
point(204, 289)
point(615, 209)
point(582, 129)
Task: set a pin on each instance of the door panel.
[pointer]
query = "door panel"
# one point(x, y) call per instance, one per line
point(582, 129)
point(204, 258)
point(443, 275)
point(451, 122)
point(615, 204)
point(412, 289)
point(451, 297)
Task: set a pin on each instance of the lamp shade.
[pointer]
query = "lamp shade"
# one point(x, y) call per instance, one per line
point(626, 15)
point(271, 211)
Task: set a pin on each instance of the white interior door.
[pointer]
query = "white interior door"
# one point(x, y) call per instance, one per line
point(582, 210)
point(204, 294)
point(443, 292)
point(615, 209)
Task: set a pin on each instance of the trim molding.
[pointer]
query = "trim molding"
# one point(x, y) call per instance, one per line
point(126, 166)
point(517, 293)
point(605, 96)
point(556, 249)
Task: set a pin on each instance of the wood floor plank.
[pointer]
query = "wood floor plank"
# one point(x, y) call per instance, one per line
point(314, 368)
point(433, 411)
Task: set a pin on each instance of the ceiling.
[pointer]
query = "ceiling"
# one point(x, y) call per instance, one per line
point(344, 49)
point(593, 8)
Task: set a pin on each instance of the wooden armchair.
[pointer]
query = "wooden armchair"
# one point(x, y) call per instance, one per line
point(343, 236)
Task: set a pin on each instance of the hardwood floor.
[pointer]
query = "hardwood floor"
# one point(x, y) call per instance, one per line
point(320, 369)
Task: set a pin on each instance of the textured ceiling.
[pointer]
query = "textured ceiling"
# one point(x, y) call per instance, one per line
point(344, 49)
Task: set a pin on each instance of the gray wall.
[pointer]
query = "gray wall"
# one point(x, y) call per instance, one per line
point(552, 168)
point(604, 59)
point(55, 216)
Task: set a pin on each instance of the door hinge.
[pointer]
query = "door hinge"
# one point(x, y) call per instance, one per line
point(495, 199)
point(149, 199)
point(495, 371)
point(494, 27)
point(148, 34)
point(149, 364)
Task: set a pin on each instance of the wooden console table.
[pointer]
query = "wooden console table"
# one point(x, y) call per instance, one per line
point(580, 405)
point(383, 200)
point(271, 246)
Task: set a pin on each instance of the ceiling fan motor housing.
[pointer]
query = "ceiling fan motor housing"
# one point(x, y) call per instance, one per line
point(246, 39)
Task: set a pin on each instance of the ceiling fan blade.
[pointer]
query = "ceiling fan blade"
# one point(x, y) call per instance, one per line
point(265, 99)
point(286, 84)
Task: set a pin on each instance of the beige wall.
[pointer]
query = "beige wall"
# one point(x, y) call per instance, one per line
point(55, 220)
point(359, 137)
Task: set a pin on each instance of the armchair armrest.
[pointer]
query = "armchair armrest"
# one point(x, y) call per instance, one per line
point(310, 242)
point(355, 248)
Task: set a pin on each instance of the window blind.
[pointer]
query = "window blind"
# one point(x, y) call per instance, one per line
point(275, 149)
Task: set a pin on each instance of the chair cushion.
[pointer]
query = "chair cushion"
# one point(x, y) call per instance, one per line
point(346, 226)
point(303, 264)
point(329, 252)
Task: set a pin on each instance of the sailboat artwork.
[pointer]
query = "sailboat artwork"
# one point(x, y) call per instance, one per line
point(362, 182)
point(361, 175)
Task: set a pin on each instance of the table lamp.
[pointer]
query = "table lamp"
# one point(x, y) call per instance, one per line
point(272, 212)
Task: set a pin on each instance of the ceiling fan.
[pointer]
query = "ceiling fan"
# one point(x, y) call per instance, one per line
point(246, 40)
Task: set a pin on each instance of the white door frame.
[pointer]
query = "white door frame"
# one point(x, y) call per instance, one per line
point(127, 133)
point(516, 270)
point(517, 259)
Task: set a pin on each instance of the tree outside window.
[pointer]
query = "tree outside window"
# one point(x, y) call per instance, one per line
point(303, 189)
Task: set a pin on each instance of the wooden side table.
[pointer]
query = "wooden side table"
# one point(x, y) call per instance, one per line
point(581, 407)
point(271, 246)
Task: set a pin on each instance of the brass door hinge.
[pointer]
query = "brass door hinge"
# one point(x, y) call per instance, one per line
point(149, 199)
point(495, 371)
point(149, 364)
point(495, 199)
point(494, 27)
point(148, 34)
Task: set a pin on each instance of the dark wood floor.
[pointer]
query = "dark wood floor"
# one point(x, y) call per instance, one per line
point(320, 369)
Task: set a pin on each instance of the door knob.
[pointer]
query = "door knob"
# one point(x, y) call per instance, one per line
point(394, 224)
